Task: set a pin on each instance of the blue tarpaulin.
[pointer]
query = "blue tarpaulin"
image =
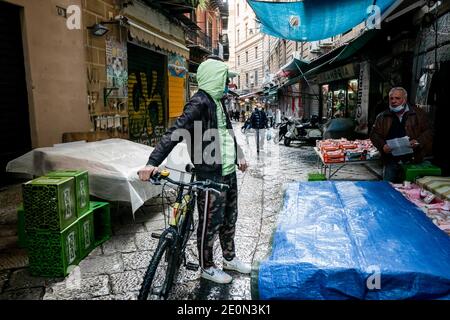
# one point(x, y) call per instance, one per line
point(353, 240)
point(312, 20)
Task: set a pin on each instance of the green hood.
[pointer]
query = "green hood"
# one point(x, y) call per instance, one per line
point(212, 77)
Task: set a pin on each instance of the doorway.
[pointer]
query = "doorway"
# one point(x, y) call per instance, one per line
point(14, 120)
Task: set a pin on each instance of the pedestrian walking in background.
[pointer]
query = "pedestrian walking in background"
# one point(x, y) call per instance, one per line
point(270, 117)
point(259, 122)
point(243, 116)
point(236, 116)
point(277, 116)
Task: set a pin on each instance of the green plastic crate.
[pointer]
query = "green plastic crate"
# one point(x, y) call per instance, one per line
point(412, 171)
point(54, 254)
point(102, 221)
point(316, 177)
point(86, 233)
point(21, 232)
point(49, 203)
point(81, 187)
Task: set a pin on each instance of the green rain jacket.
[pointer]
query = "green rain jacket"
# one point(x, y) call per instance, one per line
point(211, 77)
point(206, 110)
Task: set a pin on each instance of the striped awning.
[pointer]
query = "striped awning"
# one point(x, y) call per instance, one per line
point(145, 35)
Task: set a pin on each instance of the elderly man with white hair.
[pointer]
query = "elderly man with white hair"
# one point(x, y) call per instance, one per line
point(398, 121)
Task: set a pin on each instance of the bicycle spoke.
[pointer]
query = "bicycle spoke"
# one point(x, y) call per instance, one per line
point(157, 289)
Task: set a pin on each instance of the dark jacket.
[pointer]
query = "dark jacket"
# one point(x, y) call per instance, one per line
point(416, 127)
point(259, 119)
point(201, 107)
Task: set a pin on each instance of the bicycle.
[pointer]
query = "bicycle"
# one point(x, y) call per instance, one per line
point(170, 252)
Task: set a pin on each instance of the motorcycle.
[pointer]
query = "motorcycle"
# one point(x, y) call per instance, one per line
point(296, 130)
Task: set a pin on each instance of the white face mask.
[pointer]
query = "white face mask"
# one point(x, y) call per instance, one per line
point(397, 109)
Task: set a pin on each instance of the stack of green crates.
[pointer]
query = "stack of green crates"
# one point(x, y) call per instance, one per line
point(50, 225)
point(81, 187)
point(61, 225)
point(102, 221)
point(413, 171)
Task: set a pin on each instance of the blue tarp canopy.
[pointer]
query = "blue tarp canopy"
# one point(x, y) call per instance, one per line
point(312, 20)
point(353, 240)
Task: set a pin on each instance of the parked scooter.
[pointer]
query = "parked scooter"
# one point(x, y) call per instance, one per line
point(297, 130)
point(282, 129)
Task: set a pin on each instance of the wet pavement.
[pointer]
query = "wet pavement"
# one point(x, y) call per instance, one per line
point(114, 270)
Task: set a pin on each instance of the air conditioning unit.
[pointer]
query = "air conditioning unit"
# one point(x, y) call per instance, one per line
point(314, 48)
point(326, 42)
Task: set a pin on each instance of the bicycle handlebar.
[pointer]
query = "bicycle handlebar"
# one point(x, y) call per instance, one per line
point(204, 185)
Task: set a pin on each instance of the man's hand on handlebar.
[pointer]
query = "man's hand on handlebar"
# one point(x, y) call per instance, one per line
point(147, 172)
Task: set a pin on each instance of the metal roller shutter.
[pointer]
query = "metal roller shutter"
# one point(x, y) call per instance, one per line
point(147, 94)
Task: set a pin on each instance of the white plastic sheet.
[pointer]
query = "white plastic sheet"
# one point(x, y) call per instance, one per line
point(112, 165)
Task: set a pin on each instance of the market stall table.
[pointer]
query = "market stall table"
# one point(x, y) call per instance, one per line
point(352, 240)
point(333, 168)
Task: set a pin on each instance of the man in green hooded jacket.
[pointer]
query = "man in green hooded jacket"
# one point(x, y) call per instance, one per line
point(215, 154)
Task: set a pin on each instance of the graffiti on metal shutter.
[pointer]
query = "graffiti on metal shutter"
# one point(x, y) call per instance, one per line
point(146, 107)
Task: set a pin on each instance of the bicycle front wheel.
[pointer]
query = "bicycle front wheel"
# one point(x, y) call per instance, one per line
point(158, 279)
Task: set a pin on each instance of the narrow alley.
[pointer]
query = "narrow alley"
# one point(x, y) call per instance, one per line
point(115, 270)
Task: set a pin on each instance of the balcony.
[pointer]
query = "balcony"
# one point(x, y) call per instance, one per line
point(180, 10)
point(174, 7)
point(314, 47)
point(221, 5)
point(199, 40)
point(221, 47)
point(326, 43)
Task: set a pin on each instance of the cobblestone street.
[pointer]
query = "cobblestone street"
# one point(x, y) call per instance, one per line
point(115, 269)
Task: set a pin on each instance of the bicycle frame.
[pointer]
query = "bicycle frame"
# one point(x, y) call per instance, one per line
point(172, 242)
point(181, 219)
point(177, 235)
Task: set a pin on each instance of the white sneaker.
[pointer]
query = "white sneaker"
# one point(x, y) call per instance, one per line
point(237, 265)
point(216, 275)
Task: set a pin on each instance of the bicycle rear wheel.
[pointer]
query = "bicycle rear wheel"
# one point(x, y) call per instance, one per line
point(158, 279)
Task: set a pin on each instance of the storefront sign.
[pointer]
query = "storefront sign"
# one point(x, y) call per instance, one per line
point(362, 107)
point(344, 72)
point(177, 66)
point(177, 82)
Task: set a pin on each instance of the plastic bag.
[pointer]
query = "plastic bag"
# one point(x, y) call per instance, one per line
point(269, 134)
